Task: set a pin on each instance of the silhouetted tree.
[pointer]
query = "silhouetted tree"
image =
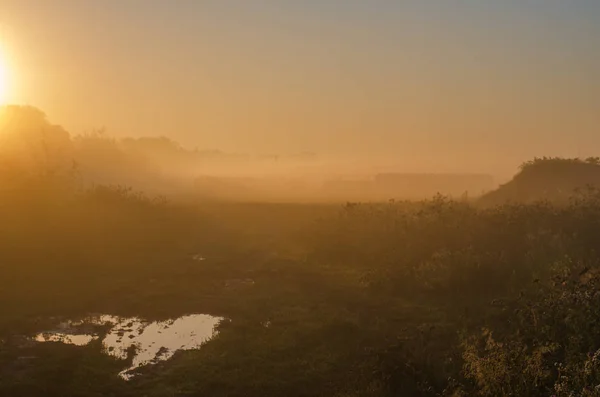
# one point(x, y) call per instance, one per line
point(31, 143)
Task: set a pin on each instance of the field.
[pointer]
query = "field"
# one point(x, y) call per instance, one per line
point(419, 299)
point(437, 297)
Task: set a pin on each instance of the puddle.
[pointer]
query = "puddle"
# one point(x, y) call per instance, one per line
point(147, 342)
point(77, 340)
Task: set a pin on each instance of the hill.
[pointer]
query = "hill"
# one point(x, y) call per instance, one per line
point(547, 178)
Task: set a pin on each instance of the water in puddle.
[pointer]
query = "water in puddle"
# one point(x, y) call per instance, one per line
point(153, 341)
point(77, 340)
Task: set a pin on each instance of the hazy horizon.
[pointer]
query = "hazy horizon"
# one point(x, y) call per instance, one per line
point(423, 85)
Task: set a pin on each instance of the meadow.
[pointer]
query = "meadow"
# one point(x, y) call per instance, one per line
point(431, 298)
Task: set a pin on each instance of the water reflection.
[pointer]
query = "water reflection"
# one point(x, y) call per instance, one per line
point(77, 340)
point(147, 342)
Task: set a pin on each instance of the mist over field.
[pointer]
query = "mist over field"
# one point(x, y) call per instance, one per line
point(160, 165)
point(130, 265)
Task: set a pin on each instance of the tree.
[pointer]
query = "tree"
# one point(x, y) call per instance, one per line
point(28, 140)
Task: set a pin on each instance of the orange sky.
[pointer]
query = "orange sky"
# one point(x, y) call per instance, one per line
point(448, 85)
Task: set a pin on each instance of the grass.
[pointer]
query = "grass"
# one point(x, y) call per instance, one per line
point(418, 299)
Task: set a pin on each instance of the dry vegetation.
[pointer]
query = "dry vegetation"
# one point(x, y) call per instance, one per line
point(430, 298)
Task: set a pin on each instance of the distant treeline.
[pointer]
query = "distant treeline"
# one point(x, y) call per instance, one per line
point(32, 147)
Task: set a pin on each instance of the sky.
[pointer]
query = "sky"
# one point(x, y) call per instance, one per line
point(426, 84)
